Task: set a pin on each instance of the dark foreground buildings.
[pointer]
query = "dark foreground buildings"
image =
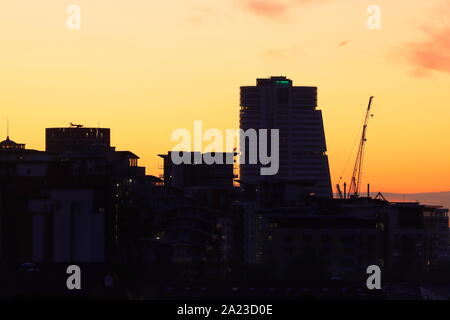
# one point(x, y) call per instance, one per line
point(62, 204)
point(195, 233)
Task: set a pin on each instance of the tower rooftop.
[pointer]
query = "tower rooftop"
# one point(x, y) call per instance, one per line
point(8, 144)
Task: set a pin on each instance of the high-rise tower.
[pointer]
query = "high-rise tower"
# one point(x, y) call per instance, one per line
point(274, 103)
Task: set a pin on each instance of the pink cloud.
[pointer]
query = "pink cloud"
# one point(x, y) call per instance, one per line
point(268, 8)
point(343, 43)
point(274, 8)
point(301, 2)
point(433, 52)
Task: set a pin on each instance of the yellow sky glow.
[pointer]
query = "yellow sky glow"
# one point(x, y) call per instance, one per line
point(145, 68)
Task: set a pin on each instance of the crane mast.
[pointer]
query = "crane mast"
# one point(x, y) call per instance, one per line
point(355, 183)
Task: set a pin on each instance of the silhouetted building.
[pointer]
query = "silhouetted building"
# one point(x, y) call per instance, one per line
point(22, 174)
point(417, 237)
point(66, 205)
point(340, 238)
point(199, 175)
point(321, 243)
point(95, 205)
point(75, 139)
point(68, 224)
point(8, 144)
point(274, 103)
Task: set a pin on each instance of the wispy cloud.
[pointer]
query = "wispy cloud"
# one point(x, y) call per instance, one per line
point(432, 53)
point(267, 8)
point(274, 8)
point(273, 54)
point(344, 43)
point(292, 52)
point(202, 14)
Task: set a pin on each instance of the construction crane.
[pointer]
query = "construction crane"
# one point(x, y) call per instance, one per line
point(357, 170)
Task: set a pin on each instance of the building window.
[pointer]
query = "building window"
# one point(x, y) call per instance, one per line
point(132, 162)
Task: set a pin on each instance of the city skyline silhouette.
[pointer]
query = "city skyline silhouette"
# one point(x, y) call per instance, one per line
point(167, 64)
point(218, 152)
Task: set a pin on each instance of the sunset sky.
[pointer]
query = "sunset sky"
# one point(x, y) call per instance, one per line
point(145, 68)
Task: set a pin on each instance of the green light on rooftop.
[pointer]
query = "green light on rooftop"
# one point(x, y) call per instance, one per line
point(283, 82)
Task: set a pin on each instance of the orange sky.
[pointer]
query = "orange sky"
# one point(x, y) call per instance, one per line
point(145, 68)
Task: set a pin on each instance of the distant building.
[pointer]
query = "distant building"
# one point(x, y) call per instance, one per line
point(16, 160)
point(75, 138)
point(330, 238)
point(207, 186)
point(343, 237)
point(67, 204)
point(198, 175)
point(22, 173)
point(67, 225)
point(417, 236)
point(8, 144)
point(274, 103)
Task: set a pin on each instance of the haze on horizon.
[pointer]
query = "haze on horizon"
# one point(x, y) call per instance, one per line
point(147, 68)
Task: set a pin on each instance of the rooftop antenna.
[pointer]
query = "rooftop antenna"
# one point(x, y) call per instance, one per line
point(7, 128)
